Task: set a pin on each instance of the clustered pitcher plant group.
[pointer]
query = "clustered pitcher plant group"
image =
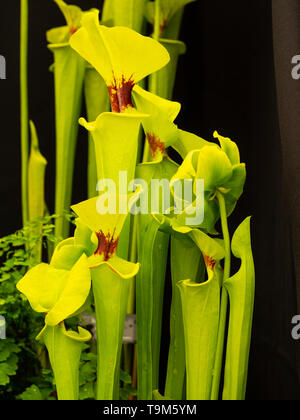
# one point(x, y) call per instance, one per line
point(116, 263)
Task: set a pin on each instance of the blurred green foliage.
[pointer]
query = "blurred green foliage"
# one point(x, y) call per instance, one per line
point(19, 366)
point(25, 372)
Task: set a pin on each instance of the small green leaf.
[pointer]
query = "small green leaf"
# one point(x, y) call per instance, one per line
point(9, 367)
point(4, 354)
point(87, 373)
point(87, 391)
point(4, 378)
point(125, 377)
point(31, 393)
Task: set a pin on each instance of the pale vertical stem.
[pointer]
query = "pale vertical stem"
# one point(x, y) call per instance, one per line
point(24, 106)
point(224, 301)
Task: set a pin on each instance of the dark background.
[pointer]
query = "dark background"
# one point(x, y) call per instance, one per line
point(226, 82)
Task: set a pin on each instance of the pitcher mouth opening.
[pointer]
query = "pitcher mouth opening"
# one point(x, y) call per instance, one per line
point(209, 262)
point(107, 245)
point(156, 146)
point(120, 94)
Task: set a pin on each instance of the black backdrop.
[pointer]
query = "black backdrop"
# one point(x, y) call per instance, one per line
point(226, 82)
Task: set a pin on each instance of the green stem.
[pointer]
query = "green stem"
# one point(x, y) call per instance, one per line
point(224, 300)
point(226, 236)
point(24, 106)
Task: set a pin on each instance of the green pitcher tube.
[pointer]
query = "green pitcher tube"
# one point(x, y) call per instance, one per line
point(111, 297)
point(185, 262)
point(200, 308)
point(97, 102)
point(69, 69)
point(64, 349)
point(162, 83)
